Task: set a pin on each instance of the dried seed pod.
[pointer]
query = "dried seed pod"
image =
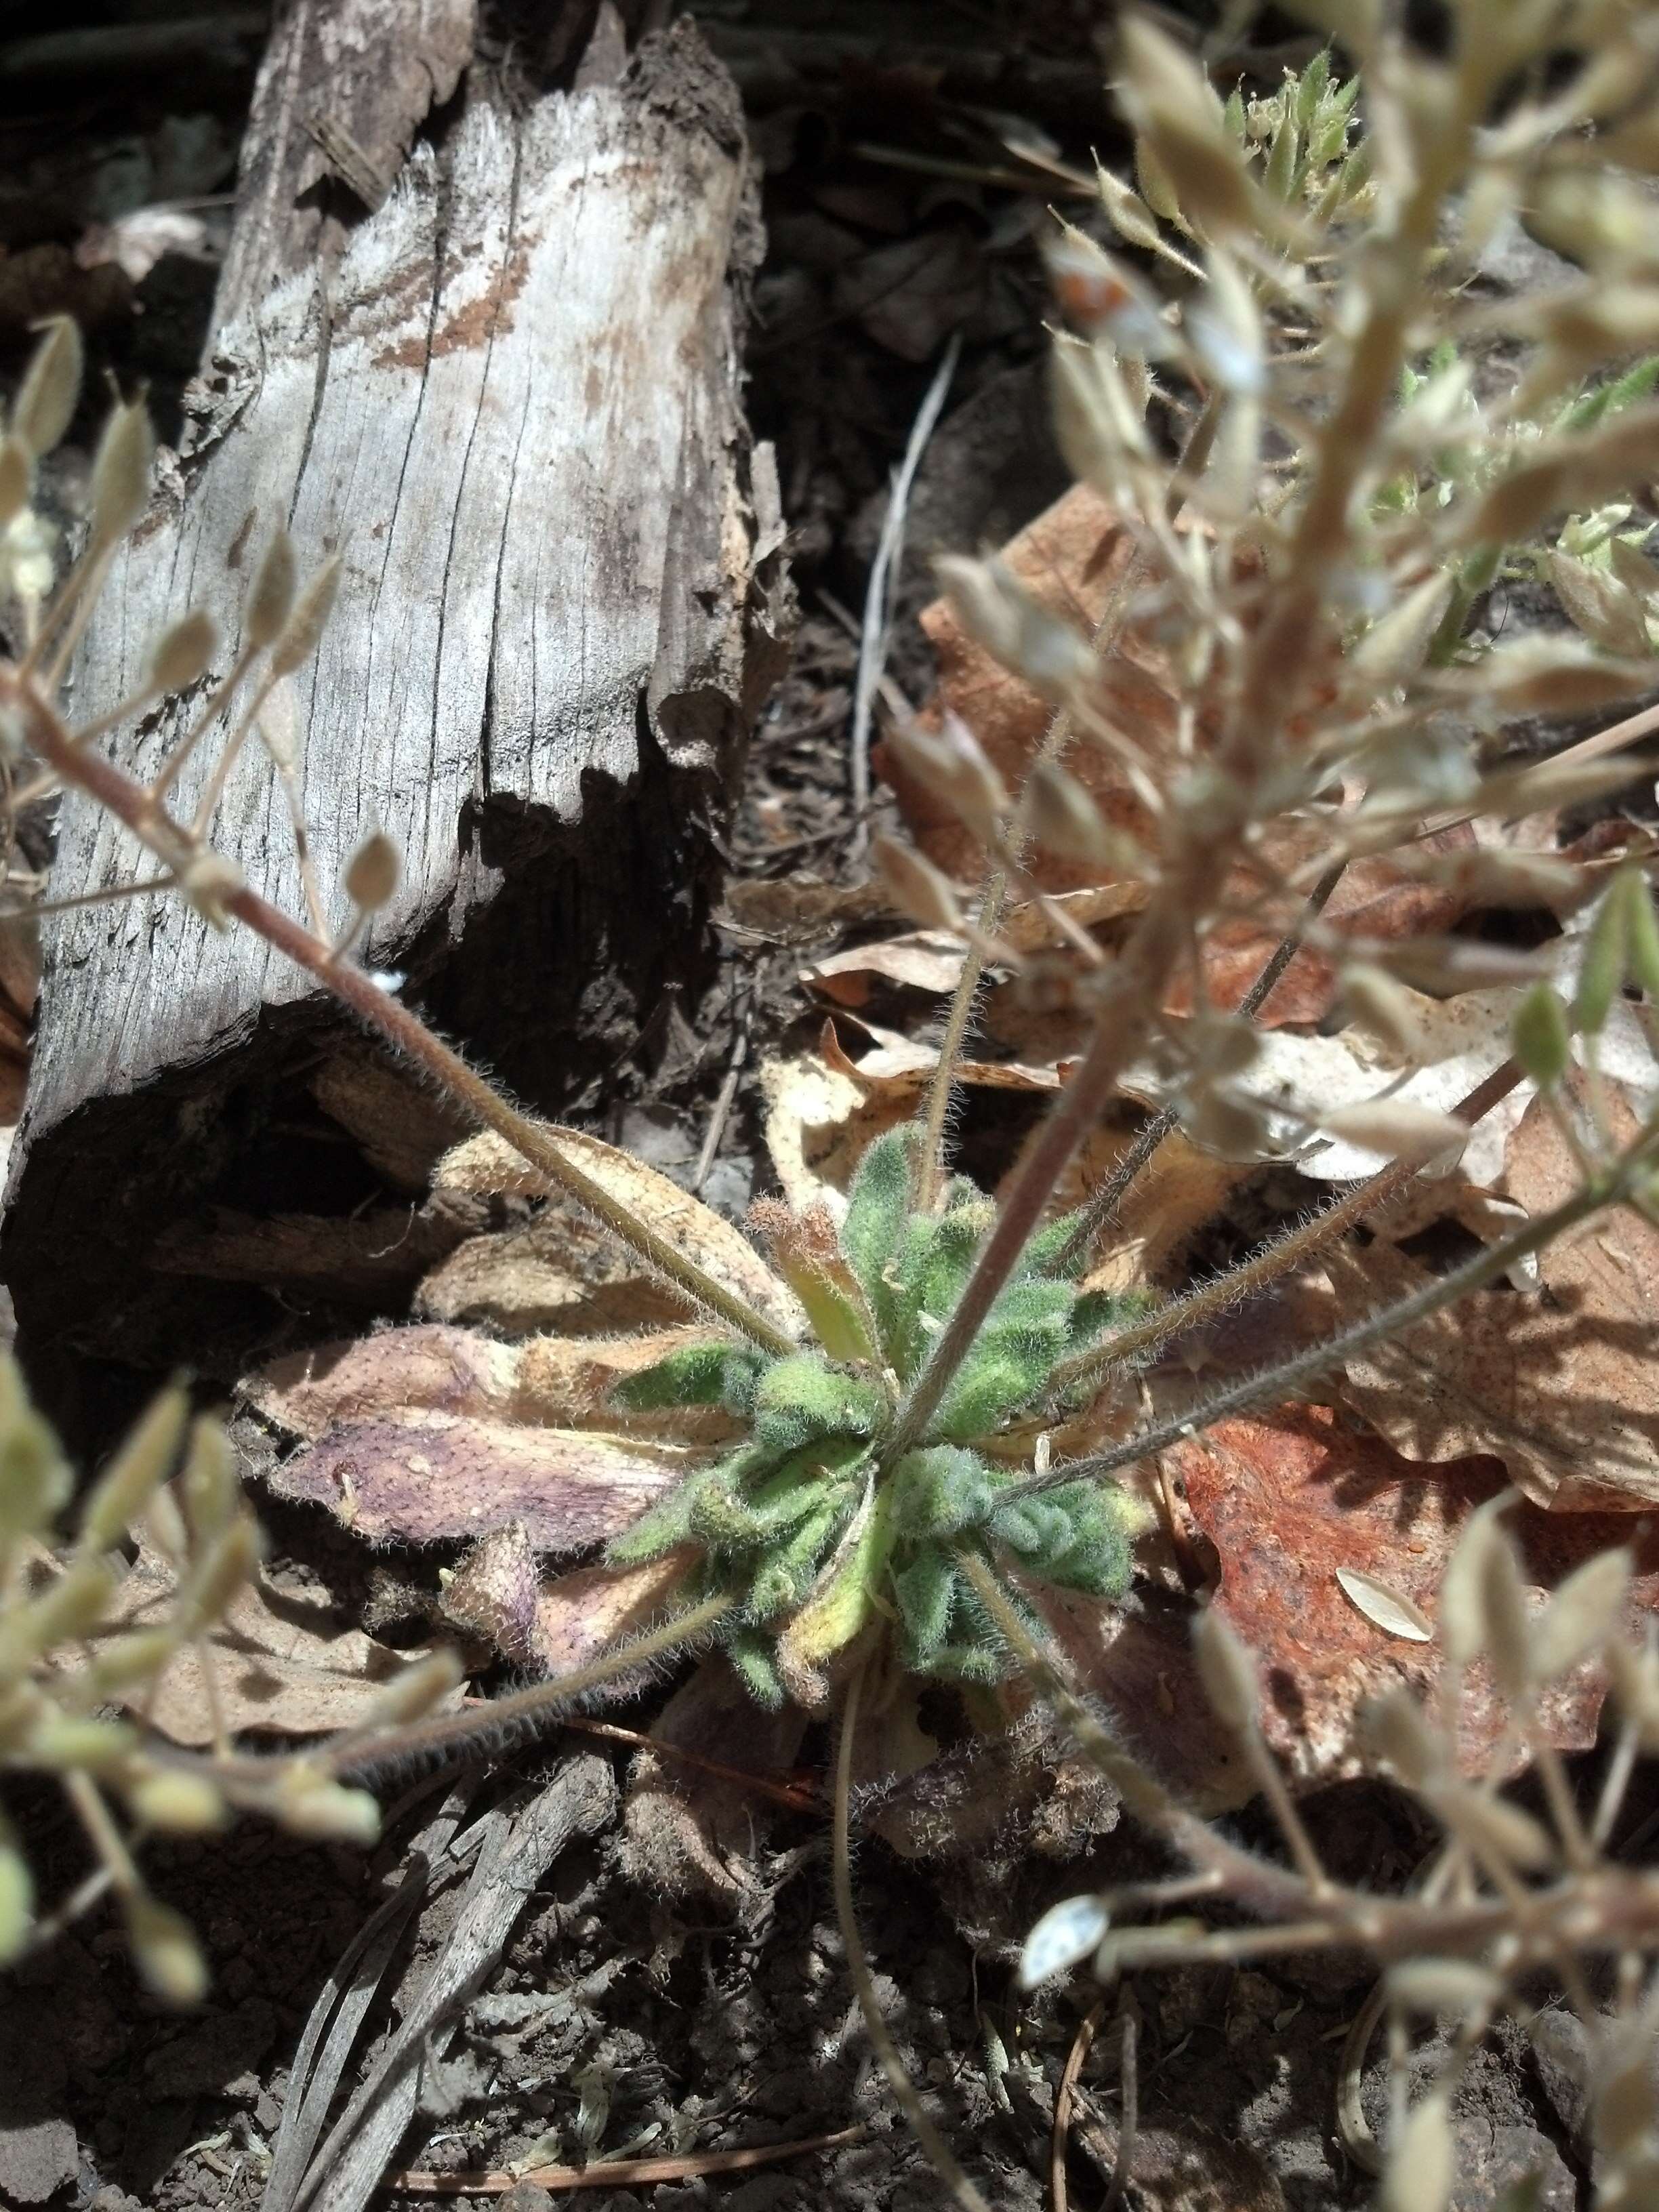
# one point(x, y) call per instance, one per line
point(1169, 102)
point(1584, 1612)
point(1461, 1612)
point(1636, 1684)
point(16, 1902)
point(73, 1605)
point(1423, 2163)
point(1506, 1634)
point(1495, 1828)
point(132, 1479)
point(297, 640)
point(1541, 1037)
point(278, 723)
point(1098, 293)
point(308, 1804)
point(178, 1802)
point(1227, 1670)
point(1431, 1986)
point(207, 882)
point(17, 479)
point(915, 887)
point(1127, 213)
point(1642, 925)
point(995, 608)
point(1517, 792)
point(120, 473)
point(271, 599)
point(1633, 569)
point(1399, 1128)
point(46, 398)
point(1066, 820)
point(950, 762)
point(69, 1743)
point(1098, 423)
point(1224, 325)
point(209, 1484)
point(1399, 1736)
point(183, 651)
point(1602, 970)
point(165, 1951)
point(373, 872)
point(1606, 610)
point(1379, 1002)
point(1573, 470)
point(35, 1480)
point(1395, 646)
point(1542, 676)
point(227, 1567)
point(416, 1691)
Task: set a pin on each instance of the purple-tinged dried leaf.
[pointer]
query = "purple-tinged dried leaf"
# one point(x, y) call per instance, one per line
point(425, 1476)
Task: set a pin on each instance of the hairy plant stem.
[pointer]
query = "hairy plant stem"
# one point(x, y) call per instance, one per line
point(1608, 1186)
point(1274, 1259)
point(1056, 738)
point(1102, 1208)
point(131, 802)
point(504, 1723)
point(945, 2162)
point(1134, 990)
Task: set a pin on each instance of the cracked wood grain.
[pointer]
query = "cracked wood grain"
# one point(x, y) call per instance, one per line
point(510, 404)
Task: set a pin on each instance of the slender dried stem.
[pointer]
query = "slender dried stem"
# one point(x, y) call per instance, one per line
point(1135, 990)
point(1102, 1206)
point(945, 2160)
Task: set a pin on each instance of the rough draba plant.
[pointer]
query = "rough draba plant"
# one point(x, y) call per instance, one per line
point(1288, 398)
point(805, 1533)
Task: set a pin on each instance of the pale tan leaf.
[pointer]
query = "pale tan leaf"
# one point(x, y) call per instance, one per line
point(278, 1665)
point(487, 1165)
point(1560, 1383)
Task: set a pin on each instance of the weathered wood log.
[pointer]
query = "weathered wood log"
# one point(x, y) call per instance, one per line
point(508, 397)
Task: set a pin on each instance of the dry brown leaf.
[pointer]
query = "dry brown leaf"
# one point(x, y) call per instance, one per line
point(1072, 558)
point(487, 1166)
point(921, 960)
point(402, 1130)
point(1560, 1383)
point(276, 1664)
point(418, 1476)
point(580, 1614)
point(559, 1272)
point(689, 1832)
point(1289, 1499)
point(1175, 1193)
